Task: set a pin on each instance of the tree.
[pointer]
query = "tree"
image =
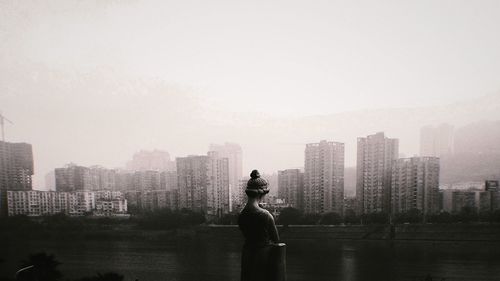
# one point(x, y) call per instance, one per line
point(108, 276)
point(44, 268)
point(375, 218)
point(411, 216)
point(467, 214)
point(351, 217)
point(310, 219)
point(330, 218)
point(289, 216)
point(443, 217)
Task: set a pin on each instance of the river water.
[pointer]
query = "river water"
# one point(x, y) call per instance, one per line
point(307, 260)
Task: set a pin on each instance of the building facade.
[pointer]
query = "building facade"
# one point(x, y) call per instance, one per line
point(373, 172)
point(324, 177)
point(233, 153)
point(16, 166)
point(40, 203)
point(152, 200)
point(415, 185)
point(147, 180)
point(73, 178)
point(203, 183)
point(291, 187)
point(168, 180)
point(124, 180)
point(240, 195)
point(218, 191)
point(156, 160)
point(102, 178)
point(455, 201)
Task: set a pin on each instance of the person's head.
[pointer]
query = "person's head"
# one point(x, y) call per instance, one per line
point(257, 187)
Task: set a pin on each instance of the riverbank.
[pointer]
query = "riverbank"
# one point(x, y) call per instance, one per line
point(415, 232)
point(409, 232)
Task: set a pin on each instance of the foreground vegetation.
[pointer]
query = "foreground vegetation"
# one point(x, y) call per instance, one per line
point(158, 220)
point(44, 267)
point(292, 216)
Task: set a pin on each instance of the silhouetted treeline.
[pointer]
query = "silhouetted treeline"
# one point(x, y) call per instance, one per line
point(168, 219)
point(165, 219)
point(292, 216)
point(58, 222)
point(160, 219)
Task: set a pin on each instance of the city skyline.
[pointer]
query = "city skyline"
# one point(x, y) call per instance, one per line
point(474, 141)
point(387, 183)
point(40, 180)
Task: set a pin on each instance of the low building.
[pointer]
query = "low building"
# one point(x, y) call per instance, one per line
point(454, 201)
point(274, 206)
point(41, 203)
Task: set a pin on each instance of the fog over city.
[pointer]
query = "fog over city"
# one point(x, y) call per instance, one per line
point(93, 82)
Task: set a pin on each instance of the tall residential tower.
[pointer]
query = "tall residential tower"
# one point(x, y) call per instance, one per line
point(374, 162)
point(324, 177)
point(415, 185)
point(233, 153)
point(203, 184)
point(291, 187)
point(16, 166)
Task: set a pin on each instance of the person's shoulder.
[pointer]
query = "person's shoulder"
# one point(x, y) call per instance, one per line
point(266, 213)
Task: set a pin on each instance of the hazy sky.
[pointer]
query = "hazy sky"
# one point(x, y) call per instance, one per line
point(277, 58)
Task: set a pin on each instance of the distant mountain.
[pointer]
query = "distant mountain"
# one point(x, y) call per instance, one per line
point(102, 117)
point(481, 137)
point(476, 155)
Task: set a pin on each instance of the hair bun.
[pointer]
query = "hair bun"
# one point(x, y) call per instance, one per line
point(255, 174)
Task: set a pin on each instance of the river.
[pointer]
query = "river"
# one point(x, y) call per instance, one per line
point(219, 259)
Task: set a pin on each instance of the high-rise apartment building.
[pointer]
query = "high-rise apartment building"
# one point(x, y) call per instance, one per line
point(16, 166)
point(374, 165)
point(147, 180)
point(324, 177)
point(272, 181)
point(192, 179)
point(291, 187)
point(436, 141)
point(124, 180)
point(155, 160)
point(50, 180)
point(168, 180)
point(73, 178)
point(240, 195)
point(203, 183)
point(151, 200)
point(233, 153)
point(102, 178)
point(218, 193)
point(415, 185)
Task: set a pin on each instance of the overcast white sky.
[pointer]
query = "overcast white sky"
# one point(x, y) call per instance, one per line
point(275, 57)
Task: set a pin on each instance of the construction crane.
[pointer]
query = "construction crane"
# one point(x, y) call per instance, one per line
point(2, 120)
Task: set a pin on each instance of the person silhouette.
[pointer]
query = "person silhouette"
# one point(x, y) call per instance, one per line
point(259, 230)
